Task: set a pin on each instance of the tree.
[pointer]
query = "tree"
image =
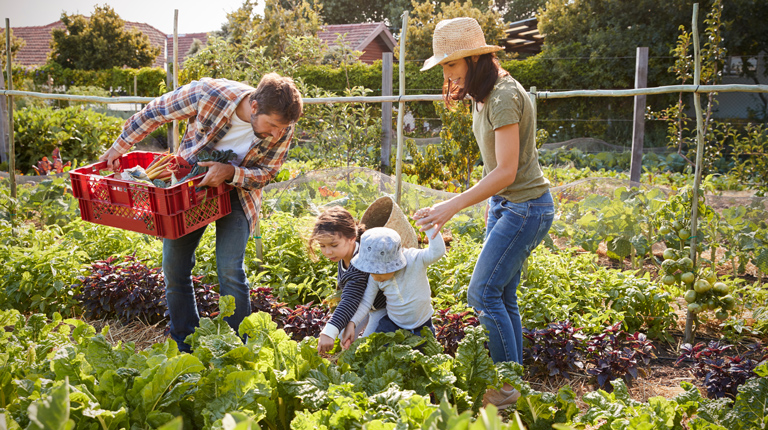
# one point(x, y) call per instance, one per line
point(282, 20)
point(516, 10)
point(16, 45)
point(355, 11)
point(425, 16)
point(593, 42)
point(100, 42)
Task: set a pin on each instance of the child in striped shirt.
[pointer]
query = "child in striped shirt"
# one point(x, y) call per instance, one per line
point(337, 234)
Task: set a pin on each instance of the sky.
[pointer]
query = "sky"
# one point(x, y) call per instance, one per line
point(195, 16)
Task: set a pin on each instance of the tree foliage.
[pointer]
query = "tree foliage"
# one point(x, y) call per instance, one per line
point(100, 42)
point(426, 15)
point(355, 11)
point(16, 44)
point(281, 21)
point(592, 43)
point(520, 9)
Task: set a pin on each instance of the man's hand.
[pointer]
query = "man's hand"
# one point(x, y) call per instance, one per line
point(325, 343)
point(112, 157)
point(218, 173)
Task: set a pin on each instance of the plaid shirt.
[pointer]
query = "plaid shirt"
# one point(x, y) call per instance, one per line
point(208, 105)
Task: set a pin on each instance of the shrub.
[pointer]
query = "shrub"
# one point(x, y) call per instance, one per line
point(79, 134)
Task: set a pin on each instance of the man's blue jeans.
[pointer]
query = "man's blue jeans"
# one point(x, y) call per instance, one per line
point(232, 233)
point(513, 231)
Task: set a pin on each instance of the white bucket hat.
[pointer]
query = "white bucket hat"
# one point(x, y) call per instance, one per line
point(457, 38)
point(380, 252)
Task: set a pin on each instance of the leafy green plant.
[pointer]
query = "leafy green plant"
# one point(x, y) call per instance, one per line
point(79, 134)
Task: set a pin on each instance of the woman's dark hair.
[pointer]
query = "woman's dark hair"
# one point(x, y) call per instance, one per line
point(335, 221)
point(480, 79)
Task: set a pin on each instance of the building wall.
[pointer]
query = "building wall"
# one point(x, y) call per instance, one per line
point(374, 51)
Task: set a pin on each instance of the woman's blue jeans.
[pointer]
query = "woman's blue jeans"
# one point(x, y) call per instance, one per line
point(513, 231)
point(232, 233)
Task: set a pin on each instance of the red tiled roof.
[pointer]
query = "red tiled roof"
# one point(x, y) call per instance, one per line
point(185, 42)
point(38, 39)
point(358, 36)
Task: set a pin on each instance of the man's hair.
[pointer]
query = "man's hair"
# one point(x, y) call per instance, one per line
point(278, 95)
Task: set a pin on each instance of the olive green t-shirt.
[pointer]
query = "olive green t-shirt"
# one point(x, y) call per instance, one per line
point(508, 103)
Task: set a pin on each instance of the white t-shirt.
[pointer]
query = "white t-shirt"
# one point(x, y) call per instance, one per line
point(239, 139)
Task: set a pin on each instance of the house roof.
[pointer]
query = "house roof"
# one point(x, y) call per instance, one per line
point(38, 42)
point(358, 36)
point(185, 42)
point(523, 37)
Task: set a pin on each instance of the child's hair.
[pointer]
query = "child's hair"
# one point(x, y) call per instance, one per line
point(335, 221)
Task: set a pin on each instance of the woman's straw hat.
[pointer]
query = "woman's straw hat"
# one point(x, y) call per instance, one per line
point(457, 38)
point(384, 212)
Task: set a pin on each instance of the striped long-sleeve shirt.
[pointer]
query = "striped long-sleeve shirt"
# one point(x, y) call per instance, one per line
point(352, 283)
point(208, 105)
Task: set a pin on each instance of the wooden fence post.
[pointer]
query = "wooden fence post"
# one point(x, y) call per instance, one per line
point(401, 112)
point(11, 148)
point(638, 129)
point(3, 124)
point(386, 112)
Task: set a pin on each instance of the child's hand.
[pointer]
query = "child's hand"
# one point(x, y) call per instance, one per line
point(421, 213)
point(325, 343)
point(350, 335)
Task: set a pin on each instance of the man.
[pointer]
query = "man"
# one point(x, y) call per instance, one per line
point(221, 115)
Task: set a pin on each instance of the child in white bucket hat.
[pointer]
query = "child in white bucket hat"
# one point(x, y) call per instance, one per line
point(401, 274)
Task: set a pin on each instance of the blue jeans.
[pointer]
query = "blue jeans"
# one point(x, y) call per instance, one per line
point(513, 231)
point(232, 233)
point(386, 325)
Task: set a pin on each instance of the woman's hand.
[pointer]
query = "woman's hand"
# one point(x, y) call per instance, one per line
point(436, 216)
point(325, 343)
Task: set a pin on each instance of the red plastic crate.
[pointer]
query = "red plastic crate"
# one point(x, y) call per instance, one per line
point(164, 212)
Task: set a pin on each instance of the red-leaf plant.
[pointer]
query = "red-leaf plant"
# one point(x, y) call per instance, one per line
point(616, 354)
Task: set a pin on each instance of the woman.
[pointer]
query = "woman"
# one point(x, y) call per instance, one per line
point(520, 208)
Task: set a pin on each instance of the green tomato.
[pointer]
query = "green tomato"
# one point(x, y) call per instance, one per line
point(728, 303)
point(712, 278)
point(690, 296)
point(721, 288)
point(711, 305)
point(688, 278)
point(721, 315)
point(676, 225)
point(670, 254)
point(686, 264)
point(669, 266)
point(684, 234)
point(664, 230)
point(668, 280)
point(694, 308)
point(702, 286)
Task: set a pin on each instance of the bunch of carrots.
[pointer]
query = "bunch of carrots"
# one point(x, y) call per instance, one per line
point(162, 167)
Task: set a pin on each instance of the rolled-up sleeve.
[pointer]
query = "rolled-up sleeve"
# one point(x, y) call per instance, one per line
point(176, 105)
